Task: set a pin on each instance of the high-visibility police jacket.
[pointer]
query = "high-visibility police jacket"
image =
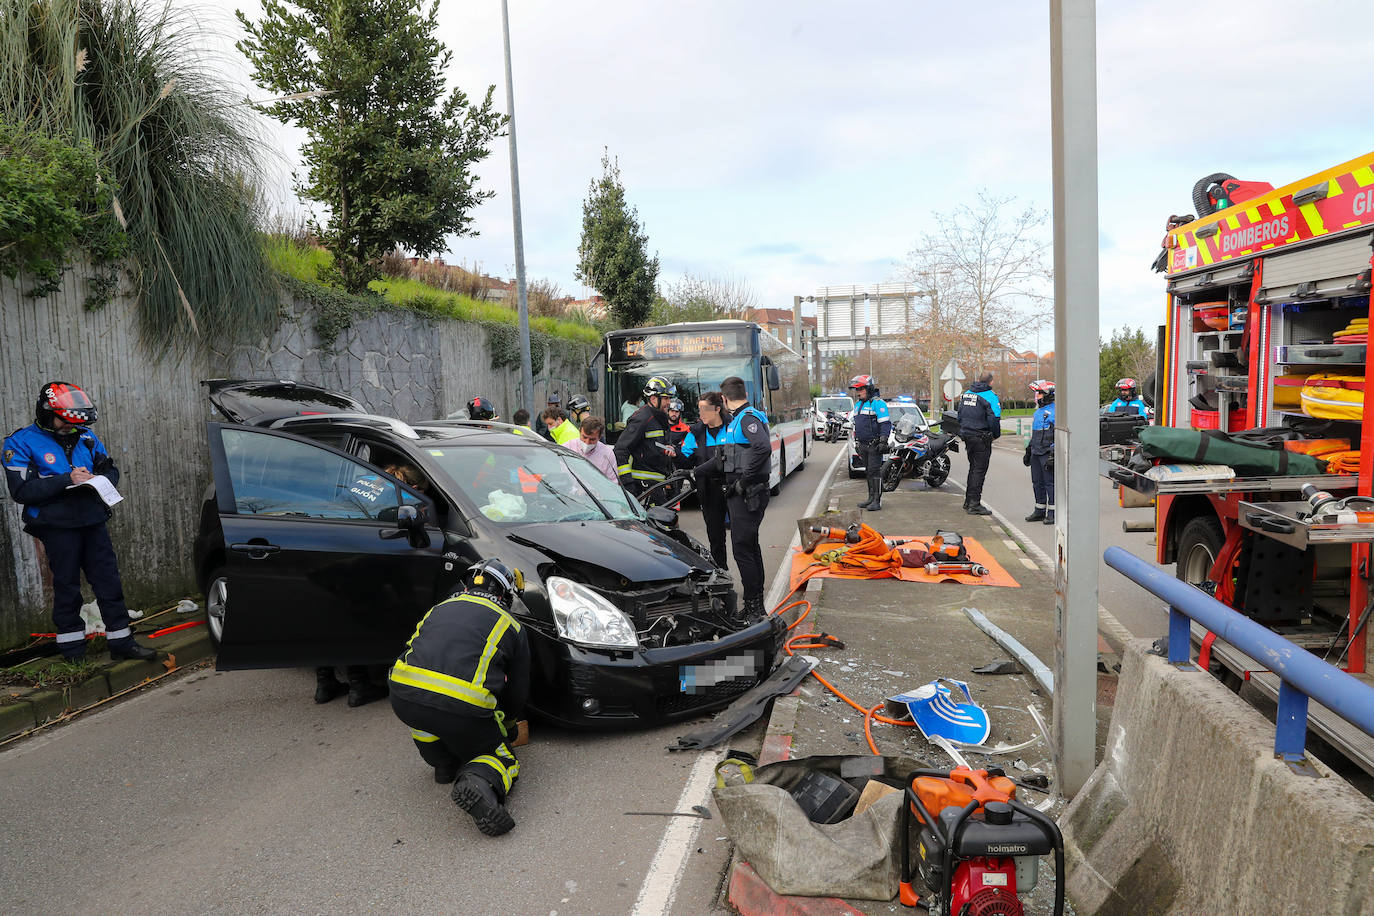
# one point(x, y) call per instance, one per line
point(1134, 405)
point(871, 420)
point(746, 448)
point(638, 454)
point(38, 470)
point(701, 452)
point(980, 411)
point(468, 657)
point(1042, 431)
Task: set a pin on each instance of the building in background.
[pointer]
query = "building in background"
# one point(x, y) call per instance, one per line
point(781, 323)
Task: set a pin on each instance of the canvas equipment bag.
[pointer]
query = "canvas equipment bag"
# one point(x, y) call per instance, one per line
point(1209, 446)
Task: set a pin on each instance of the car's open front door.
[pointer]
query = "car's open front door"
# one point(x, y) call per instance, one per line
point(322, 551)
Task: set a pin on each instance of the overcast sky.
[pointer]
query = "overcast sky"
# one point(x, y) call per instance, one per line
point(800, 144)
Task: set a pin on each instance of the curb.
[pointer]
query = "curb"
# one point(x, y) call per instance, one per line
point(42, 707)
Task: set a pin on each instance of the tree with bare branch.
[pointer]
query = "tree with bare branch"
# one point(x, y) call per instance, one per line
point(988, 279)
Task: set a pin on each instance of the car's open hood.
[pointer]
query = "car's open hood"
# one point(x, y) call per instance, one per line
point(631, 549)
point(259, 402)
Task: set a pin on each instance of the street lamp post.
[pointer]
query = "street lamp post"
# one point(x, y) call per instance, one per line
point(526, 366)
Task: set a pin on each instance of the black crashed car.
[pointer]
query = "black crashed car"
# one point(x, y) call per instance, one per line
point(312, 551)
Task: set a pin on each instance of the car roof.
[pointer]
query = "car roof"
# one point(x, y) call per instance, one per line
point(430, 432)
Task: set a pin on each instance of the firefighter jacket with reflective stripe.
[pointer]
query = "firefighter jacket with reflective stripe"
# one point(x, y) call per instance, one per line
point(467, 657)
point(747, 449)
point(980, 411)
point(639, 451)
point(871, 421)
point(1134, 405)
point(38, 470)
point(1042, 431)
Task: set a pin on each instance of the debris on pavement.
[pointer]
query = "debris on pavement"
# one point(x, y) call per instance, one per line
point(999, 666)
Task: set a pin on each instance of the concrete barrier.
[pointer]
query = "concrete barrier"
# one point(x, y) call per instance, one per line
point(1189, 811)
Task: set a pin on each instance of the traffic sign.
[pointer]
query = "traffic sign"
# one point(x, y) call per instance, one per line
point(953, 372)
point(953, 389)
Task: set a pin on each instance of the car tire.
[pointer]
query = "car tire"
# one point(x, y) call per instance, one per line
point(1198, 545)
point(216, 600)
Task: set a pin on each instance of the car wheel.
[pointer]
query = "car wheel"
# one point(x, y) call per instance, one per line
point(1198, 546)
point(216, 600)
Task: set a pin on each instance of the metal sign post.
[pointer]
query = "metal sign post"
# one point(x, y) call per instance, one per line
point(1073, 91)
point(522, 300)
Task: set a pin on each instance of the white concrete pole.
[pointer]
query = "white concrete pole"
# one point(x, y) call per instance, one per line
point(522, 301)
point(1073, 91)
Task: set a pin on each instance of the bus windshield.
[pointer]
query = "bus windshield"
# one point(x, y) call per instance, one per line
point(691, 376)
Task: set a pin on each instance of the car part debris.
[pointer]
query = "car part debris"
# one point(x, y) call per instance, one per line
point(1000, 666)
point(700, 811)
point(1023, 655)
point(749, 707)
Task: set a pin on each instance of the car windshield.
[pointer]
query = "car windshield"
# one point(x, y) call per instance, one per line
point(514, 484)
point(836, 403)
point(691, 376)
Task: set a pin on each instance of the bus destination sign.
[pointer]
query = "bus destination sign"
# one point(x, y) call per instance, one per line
point(682, 345)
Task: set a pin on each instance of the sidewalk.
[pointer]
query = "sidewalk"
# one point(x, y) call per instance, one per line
point(25, 708)
point(901, 635)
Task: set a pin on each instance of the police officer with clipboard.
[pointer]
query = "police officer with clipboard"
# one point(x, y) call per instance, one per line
point(747, 453)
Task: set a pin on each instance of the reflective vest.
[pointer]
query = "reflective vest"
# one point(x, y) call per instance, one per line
point(457, 658)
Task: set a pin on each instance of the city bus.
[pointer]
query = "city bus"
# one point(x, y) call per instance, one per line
point(696, 357)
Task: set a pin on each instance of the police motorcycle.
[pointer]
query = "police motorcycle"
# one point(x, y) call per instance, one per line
point(914, 452)
point(834, 427)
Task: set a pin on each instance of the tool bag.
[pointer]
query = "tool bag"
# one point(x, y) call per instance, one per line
point(1207, 446)
point(1333, 397)
point(857, 857)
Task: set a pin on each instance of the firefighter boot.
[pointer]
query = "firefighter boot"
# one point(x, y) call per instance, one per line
point(361, 690)
point(1037, 515)
point(478, 798)
point(327, 686)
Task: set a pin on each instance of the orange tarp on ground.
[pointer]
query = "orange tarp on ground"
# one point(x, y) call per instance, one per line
point(805, 564)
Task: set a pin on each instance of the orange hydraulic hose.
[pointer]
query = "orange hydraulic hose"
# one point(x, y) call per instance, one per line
point(799, 641)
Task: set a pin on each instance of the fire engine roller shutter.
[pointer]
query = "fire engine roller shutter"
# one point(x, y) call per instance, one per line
point(1318, 271)
point(1225, 275)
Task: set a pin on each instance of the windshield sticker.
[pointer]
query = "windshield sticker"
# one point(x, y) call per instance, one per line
point(437, 453)
point(369, 488)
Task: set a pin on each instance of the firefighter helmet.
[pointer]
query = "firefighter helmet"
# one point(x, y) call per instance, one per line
point(479, 408)
point(577, 402)
point(495, 581)
point(675, 404)
point(658, 386)
point(66, 402)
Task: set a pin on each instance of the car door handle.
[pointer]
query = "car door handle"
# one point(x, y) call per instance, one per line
point(256, 551)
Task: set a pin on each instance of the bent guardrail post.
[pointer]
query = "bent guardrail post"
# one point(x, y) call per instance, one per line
point(1301, 674)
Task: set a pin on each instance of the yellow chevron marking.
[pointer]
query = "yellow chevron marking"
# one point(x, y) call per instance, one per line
point(1333, 188)
point(1276, 207)
point(1364, 176)
point(1351, 225)
point(1313, 218)
point(1232, 221)
point(1253, 214)
point(1204, 254)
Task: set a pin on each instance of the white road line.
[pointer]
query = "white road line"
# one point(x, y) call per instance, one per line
point(1028, 563)
point(1012, 546)
point(660, 885)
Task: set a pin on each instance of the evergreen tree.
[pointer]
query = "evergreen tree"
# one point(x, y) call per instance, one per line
point(391, 152)
point(613, 255)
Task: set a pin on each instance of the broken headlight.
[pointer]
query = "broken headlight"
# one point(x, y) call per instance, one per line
point(588, 619)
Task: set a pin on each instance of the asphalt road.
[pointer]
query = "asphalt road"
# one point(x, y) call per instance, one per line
point(234, 793)
point(1008, 490)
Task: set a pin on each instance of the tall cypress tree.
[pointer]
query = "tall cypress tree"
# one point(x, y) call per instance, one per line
point(613, 255)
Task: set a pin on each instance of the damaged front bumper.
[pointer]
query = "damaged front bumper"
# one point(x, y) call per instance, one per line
point(606, 688)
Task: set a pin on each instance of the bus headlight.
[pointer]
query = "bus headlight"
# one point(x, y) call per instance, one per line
point(586, 618)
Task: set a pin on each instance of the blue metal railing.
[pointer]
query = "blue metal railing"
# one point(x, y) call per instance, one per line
point(1301, 674)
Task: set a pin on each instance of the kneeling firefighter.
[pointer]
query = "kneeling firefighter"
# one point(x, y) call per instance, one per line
point(461, 686)
point(1039, 455)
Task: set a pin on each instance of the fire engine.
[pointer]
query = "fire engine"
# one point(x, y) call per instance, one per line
point(1265, 330)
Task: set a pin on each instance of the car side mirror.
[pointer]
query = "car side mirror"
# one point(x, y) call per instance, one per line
point(409, 524)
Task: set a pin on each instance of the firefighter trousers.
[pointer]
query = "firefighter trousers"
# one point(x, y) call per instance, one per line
point(474, 744)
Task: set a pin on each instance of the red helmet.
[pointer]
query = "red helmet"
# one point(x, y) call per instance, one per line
point(1126, 386)
point(862, 381)
point(66, 402)
point(479, 408)
point(1041, 386)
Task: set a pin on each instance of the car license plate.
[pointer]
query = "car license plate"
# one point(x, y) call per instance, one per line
point(700, 678)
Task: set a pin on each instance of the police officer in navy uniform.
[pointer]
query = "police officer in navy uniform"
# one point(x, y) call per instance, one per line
point(871, 428)
point(747, 457)
point(1128, 399)
point(461, 686)
point(1039, 455)
point(980, 423)
point(643, 455)
point(45, 465)
point(700, 454)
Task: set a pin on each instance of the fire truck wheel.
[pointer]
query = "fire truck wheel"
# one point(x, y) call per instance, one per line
point(1198, 546)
